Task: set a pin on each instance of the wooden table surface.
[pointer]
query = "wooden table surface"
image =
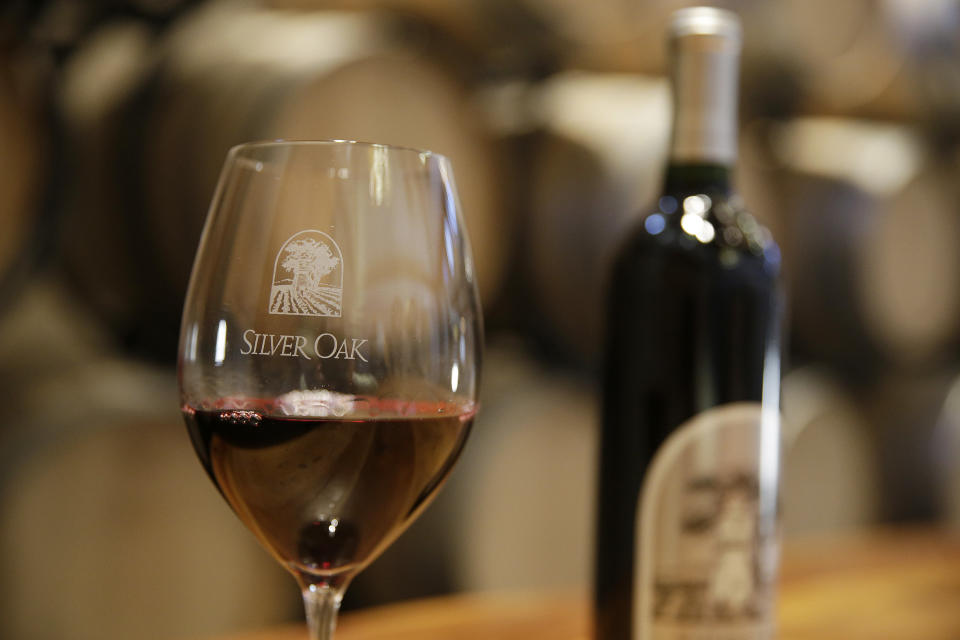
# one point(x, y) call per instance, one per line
point(887, 585)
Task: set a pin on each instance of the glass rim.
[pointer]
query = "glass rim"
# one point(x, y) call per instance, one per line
point(333, 142)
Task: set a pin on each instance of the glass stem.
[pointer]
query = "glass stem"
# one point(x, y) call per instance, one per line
point(322, 602)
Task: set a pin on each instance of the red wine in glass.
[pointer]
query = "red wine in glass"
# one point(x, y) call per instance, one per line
point(326, 494)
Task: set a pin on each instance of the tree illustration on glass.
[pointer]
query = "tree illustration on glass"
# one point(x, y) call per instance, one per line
point(306, 261)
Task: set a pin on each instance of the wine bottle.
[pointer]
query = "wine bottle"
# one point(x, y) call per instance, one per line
point(686, 537)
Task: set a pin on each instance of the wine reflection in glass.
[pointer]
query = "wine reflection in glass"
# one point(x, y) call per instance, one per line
point(330, 350)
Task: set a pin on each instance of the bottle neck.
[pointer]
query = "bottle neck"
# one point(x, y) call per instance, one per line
point(689, 178)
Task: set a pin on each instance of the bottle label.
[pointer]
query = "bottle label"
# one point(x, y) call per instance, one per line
point(707, 543)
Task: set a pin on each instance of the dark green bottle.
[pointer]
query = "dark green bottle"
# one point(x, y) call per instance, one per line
point(686, 533)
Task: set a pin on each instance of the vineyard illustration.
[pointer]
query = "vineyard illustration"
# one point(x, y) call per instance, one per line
point(308, 276)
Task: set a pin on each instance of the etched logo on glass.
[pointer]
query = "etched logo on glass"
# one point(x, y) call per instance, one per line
point(308, 276)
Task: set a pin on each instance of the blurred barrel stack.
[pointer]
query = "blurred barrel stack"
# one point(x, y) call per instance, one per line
point(115, 117)
point(21, 176)
point(156, 136)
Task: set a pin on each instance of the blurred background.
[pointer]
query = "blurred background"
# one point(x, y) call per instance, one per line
point(115, 117)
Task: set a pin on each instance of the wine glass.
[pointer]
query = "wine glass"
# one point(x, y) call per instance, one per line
point(330, 350)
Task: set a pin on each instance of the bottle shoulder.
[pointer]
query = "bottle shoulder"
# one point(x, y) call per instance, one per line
point(704, 230)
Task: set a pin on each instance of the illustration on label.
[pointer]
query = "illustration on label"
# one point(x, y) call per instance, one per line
point(707, 543)
point(308, 276)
